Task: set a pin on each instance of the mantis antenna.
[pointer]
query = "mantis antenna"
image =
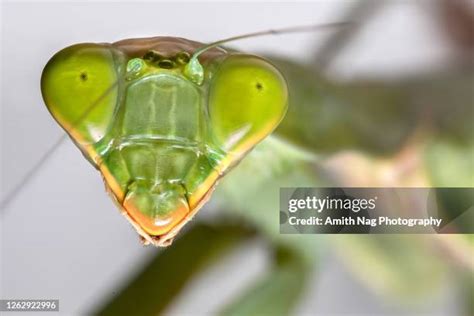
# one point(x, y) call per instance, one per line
point(195, 71)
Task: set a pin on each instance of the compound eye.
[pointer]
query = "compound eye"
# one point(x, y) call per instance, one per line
point(247, 100)
point(79, 88)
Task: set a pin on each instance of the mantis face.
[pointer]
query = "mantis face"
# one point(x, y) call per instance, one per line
point(160, 138)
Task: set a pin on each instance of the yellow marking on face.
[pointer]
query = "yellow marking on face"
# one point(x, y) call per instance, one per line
point(147, 223)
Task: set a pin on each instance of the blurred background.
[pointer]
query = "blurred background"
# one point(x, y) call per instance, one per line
point(388, 102)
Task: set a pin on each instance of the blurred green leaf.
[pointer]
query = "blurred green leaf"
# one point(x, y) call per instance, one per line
point(450, 163)
point(278, 291)
point(165, 276)
point(468, 292)
point(402, 267)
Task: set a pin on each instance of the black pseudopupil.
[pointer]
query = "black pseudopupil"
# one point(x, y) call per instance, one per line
point(83, 76)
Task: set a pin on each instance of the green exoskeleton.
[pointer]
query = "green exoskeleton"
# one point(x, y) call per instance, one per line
point(160, 125)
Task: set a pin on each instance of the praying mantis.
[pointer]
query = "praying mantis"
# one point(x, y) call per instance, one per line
point(163, 119)
point(270, 143)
